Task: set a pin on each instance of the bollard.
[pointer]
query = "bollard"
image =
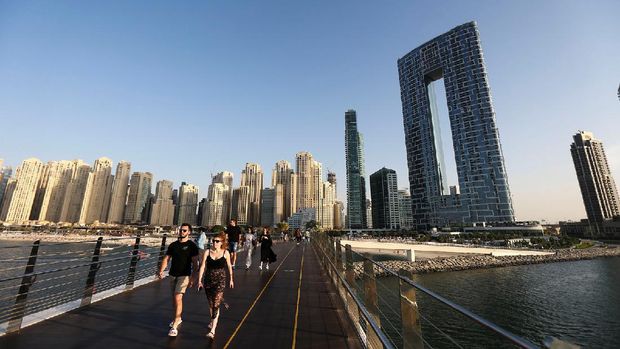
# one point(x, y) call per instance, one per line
point(372, 301)
point(412, 328)
point(90, 281)
point(15, 321)
point(131, 275)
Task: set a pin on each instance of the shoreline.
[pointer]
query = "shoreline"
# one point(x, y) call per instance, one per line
point(471, 262)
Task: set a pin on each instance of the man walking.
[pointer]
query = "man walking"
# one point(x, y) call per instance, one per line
point(233, 232)
point(184, 254)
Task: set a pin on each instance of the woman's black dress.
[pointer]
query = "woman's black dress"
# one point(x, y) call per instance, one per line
point(266, 253)
point(215, 280)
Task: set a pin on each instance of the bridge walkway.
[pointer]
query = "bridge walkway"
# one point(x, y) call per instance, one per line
point(285, 307)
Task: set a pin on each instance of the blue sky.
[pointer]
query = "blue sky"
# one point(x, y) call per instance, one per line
point(185, 89)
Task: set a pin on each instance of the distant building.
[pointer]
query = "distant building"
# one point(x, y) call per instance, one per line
point(356, 184)
point(241, 205)
point(21, 192)
point(598, 189)
point(162, 211)
point(5, 175)
point(120, 189)
point(252, 177)
point(226, 178)
point(139, 194)
point(284, 175)
point(188, 204)
point(404, 206)
point(301, 217)
point(214, 210)
point(384, 195)
point(98, 193)
point(368, 215)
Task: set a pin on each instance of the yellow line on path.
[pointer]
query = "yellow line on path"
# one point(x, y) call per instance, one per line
point(256, 300)
point(301, 270)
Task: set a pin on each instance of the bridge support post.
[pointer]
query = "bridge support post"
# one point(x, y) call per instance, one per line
point(131, 275)
point(350, 277)
point(372, 302)
point(162, 252)
point(18, 310)
point(94, 268)
point(411, 326)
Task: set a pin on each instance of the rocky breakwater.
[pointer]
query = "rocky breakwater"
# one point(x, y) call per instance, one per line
point(465, 262)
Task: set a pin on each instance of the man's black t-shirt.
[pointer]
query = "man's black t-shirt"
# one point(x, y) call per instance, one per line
point(233, 233)
point(182, 253)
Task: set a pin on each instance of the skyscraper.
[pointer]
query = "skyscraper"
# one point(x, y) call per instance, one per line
point(252, 177)
point(162, 213)
point(226, 178)
point(188, 203)
point(214, 208)
point(272, 205)
point(98, 193)
point(240, 204)
point(356, 184)
point(309, 181)
point(5, 175)
point(119, 193)
point(74, 198)
point(59, 178)
point(139, 193)
point(284, 175)
point(455, 56)
point(20, 195)
point(41, 188)
point(384, 195)
point(598, 189)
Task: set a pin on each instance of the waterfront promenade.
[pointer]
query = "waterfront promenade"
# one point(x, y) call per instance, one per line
point(293, 305)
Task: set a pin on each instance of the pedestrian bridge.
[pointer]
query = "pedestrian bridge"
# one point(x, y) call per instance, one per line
point(317, 295)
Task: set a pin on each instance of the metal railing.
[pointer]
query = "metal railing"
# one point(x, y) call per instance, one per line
point(396, 312)
point(58, 277)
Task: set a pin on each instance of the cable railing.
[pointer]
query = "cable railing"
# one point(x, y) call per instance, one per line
point(57, 277)
point(393, 311)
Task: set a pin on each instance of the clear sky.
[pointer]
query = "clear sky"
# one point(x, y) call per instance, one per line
point(186, 89)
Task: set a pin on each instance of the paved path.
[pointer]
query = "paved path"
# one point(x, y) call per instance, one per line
point(285, 307)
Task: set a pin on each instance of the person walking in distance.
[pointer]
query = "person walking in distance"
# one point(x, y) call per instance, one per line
point(266, 253)
point(249, 243)
point(213, 266)
point(184, 255)
point(233, 232)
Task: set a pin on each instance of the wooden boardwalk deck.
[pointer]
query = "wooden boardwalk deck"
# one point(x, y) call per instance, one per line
point(264, 307)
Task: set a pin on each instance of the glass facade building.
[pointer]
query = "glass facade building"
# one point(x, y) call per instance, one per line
point(482, 193)
point(356, 184)
point(384, 196)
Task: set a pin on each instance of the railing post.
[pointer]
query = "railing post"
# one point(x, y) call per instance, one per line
point(372, 301)
point(94, 267)
point(132, 266)
point(15, 321)
point(350, 278)
point(338, 255)
point(162, 252)
point(411, 326)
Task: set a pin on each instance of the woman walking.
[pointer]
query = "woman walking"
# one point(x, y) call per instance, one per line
point(266, 253)
point(216, 260)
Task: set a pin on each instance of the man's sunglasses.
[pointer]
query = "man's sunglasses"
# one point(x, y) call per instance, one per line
point(184, 230)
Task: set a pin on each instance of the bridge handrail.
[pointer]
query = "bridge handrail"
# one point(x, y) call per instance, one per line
point(385, 341)
point(330, 241)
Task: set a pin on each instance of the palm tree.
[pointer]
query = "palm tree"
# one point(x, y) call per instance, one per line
point(282, 226)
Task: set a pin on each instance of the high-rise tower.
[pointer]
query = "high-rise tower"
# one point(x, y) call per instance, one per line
point(384, 196)
point(456, 57)
point(252, 177)
point(356, 184)
point(598, 189)
point(119, 193)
